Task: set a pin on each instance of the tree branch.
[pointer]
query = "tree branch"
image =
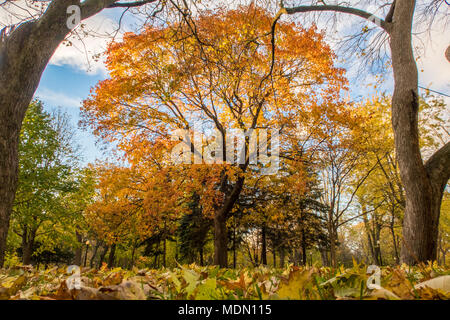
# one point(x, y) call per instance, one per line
point(336, 8)
point(130, 4)
point(390, 14)
point(438, 166)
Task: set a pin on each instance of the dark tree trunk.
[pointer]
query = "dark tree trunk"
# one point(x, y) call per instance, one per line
point(78, 250)
point(304, 256)
point(377, 243)
point(234, 247)
point(263, 246)
point(164, 251)
point(86, 255)
point(133, 251)
point(394, 240)
point(333, 240)
point(274, 254)
point(27, 251)
point(28, 239)
point(200, 252)
point(112, 256)
point(282, 256)
point(324, 256)
point(220, 241)
point(9, 141)
point(220, 222)
point(102, 256)
point(94, 254)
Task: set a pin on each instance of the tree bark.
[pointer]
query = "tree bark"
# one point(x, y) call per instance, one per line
point(263, 246)
point(304, 255)
point(282, 257)
point(394, 239)
point(86, 256)
point(27, 251)
point(78, 251)
point(94, 254)
point(333, 239)
point(303, 238)
point(102, 256)
point(324, 256)
point(112, 256)
point(220, 241)
point(423, 184)
point(234, 245)
point(274, 254)
point(200, 253)
point(28, 239)
point(220, 223)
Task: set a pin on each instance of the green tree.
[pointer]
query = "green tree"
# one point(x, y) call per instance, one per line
point(46, 177)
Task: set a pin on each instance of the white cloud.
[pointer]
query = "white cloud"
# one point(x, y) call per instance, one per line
point(436, 68)
point(58, 99)
point(86, 42)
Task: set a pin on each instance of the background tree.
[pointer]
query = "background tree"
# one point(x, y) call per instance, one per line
point(46, 176)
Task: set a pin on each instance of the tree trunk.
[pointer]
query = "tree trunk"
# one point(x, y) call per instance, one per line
point(423, 184)
point(234, 246)
point(78, 250)
point(86, 256)
point(282, 256)
point(27, 251)
point(28, 238)
point(220, 241)
point(263, 246)
point(164, 251)
point(274, 254)
point(324, 256)
point(102, 256)
point(9, 141)
point(333, 240)
point(220, 221)
point(133, 251)
point(112, 256)
point(394, 240)
point(94, 254)
point(200, 252)
point(304, 255)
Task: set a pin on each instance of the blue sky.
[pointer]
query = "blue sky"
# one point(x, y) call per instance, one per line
point(66, 87)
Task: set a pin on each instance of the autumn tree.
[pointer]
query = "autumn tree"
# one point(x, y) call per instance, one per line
point(424, 181)
point(112, 215)
point(219, 69)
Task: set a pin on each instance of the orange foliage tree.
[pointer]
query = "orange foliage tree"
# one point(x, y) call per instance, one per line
point(229, 70)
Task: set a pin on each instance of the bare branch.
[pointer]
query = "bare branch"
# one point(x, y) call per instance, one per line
point(336, 8)
point(130, 4)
